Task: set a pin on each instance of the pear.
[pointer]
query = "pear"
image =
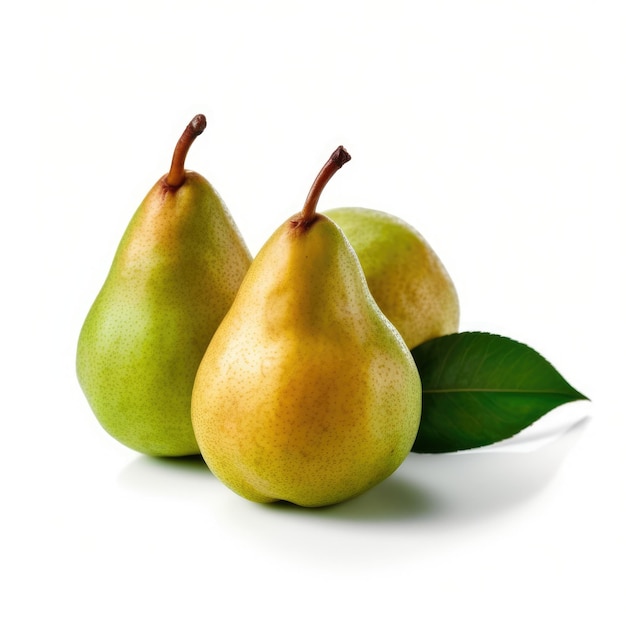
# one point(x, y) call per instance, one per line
point(174, 276)
point(306, 394)
point(406, 277)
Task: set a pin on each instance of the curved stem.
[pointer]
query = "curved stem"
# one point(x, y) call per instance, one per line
point(176, 175)
point(337, 159)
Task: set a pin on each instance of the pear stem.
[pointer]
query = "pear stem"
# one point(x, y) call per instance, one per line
point(337, 159)
point(176, 176)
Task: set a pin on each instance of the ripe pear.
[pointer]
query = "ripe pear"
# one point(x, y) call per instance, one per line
point(406, 277)
point(306, 393)
point(174, 276)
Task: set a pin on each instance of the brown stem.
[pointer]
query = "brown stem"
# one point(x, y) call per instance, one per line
point(337, 159)
point(176, 175)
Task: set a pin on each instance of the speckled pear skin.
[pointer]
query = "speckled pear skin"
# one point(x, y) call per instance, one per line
point(306, 393)
point(406, 277)
point(174, 276)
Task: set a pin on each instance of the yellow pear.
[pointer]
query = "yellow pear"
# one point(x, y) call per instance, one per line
point(174, 276)
point(406, 277)
point(306, 393)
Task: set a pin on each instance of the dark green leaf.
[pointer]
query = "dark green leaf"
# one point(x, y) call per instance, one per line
point(479, 388)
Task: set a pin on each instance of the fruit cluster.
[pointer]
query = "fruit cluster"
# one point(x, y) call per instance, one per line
point(291, 373)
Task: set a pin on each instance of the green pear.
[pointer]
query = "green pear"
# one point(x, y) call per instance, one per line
point(406, 277)
point(306, 393)
point(174, 276)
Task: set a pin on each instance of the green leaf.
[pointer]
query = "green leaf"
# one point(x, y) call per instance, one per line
point(479, 388)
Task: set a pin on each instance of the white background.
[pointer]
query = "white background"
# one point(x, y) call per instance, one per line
point(496, 128)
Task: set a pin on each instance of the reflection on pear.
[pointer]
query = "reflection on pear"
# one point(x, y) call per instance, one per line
point(407, 279)
point(306, 393)
point(174, 276)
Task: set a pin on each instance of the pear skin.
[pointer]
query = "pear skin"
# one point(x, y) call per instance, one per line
point(173, 278)
point(306, 393)
point(406, 277)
